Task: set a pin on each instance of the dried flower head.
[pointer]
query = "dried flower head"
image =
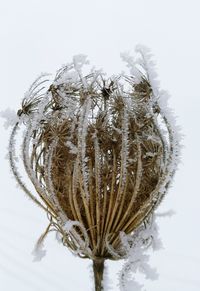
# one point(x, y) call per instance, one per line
point(100, 153)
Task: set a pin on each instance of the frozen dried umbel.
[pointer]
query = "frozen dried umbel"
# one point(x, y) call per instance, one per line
point(101, 153)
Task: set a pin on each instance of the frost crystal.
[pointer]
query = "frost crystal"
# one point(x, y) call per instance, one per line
point(38, 253)
point(10, 116)
point(136, 260)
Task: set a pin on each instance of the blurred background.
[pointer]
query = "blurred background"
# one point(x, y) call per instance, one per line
point(39, 36)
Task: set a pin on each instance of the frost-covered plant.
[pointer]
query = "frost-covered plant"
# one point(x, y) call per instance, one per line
point(101, 153)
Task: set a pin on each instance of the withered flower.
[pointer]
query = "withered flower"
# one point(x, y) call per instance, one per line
point(101, 154)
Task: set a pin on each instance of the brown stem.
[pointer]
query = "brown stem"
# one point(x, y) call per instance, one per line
point(98, 268)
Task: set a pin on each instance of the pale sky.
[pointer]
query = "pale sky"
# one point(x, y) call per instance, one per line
point(39, 36)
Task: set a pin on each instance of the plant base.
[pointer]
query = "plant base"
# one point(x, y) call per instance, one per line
point(98, 269)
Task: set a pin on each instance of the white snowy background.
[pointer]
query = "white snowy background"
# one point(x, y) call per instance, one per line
point(39, 36)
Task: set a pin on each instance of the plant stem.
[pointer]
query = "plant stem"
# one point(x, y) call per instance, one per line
point(98, 268)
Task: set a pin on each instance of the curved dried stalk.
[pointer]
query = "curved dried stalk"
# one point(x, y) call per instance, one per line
point(15, 170)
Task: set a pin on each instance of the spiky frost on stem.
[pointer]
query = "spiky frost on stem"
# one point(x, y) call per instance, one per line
point(125, 146)
point(27, 163)
point(135, 246)
point(148, 65)
point(97, 165)
point(83, 124)
point(174, 153)
point(12, 159)
point(160, 97)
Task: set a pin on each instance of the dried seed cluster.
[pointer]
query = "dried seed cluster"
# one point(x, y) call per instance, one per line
point(96, 151)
